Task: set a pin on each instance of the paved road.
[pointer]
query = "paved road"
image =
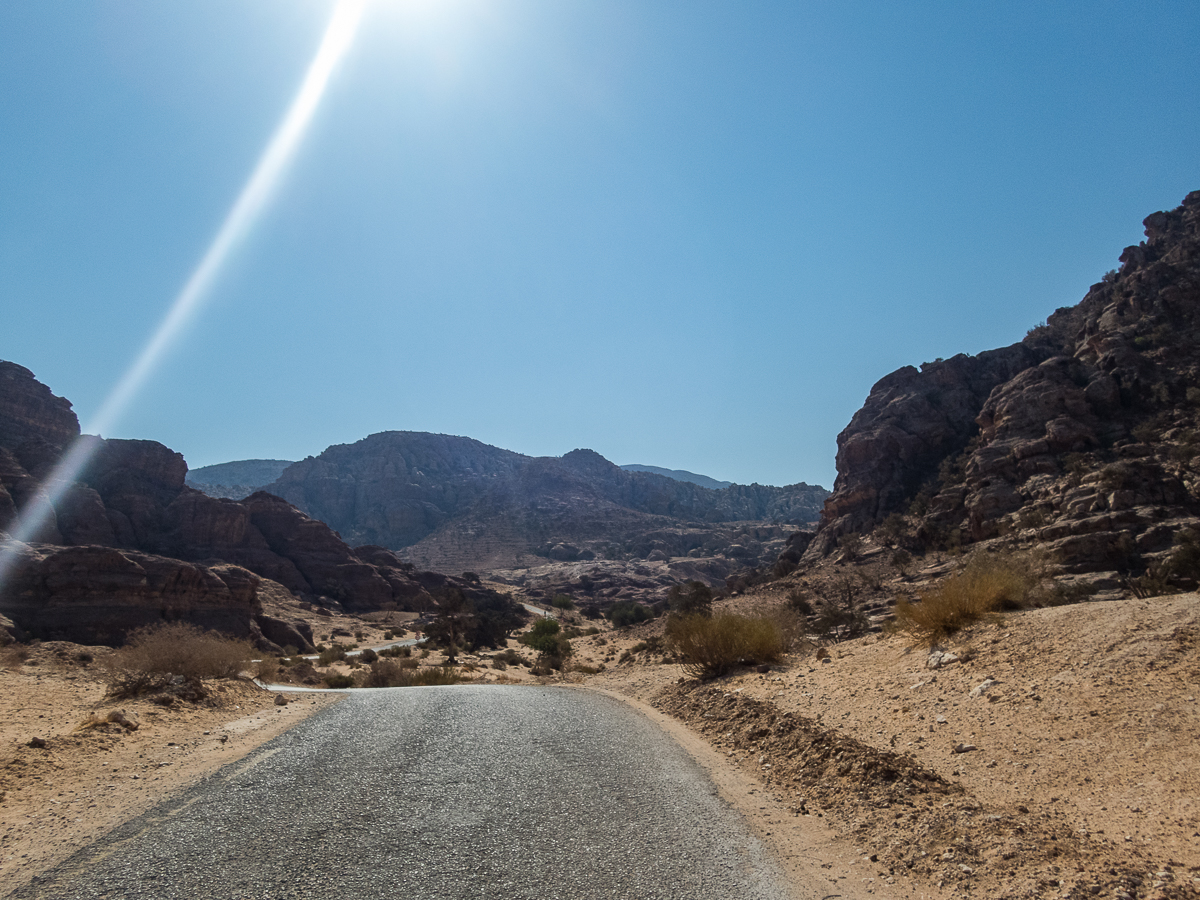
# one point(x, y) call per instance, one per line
point(495, 792)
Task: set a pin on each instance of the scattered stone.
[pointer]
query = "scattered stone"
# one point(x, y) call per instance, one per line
point(939, 658)
point(281, 700)
point(964, 748)
point(124, 719)
point(38, 743)
point(980, 689)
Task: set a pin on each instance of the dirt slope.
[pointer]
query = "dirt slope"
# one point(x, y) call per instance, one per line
point(1082, 779)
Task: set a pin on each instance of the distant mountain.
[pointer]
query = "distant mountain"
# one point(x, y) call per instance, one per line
point(467, 505)
point(681, 475)
point(236, 480)
point(243, 471)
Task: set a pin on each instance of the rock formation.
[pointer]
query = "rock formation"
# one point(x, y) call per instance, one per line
point(1082, 438)
point(130, 544)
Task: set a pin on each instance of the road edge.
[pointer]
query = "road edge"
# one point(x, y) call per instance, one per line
point(807, 850)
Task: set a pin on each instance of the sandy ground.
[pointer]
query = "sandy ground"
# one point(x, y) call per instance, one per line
point(59, 797)
point(1082, 777)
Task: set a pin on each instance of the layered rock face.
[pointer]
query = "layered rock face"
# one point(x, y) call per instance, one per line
point(1083, 437)
point(130, 544)
point(453, 502)
point(29, 411)
point(96, 595)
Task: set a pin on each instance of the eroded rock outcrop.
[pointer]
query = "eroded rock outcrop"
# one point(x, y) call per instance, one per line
point(96, 595)
point(1082, 438)
point(144, 547)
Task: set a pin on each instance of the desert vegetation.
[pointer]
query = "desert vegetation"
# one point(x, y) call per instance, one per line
point(711, 645)
point(171, 661)
point(987, 584)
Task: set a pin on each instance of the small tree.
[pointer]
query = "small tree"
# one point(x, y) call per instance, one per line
point(453, 619)
point(628, 612)
point(547, 639)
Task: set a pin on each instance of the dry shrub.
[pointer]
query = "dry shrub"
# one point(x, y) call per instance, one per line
point(112, 717)
point(161, 657)
point(388, 673)
point(987, 584)
point(708, 647)
point(268, 669)
point(13, 656)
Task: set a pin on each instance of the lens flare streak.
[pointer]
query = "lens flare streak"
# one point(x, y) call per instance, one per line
point(247, 209)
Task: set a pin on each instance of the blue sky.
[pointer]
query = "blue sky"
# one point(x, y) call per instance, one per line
point(686, 234)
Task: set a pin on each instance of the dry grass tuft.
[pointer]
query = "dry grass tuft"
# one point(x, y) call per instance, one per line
point(159, 657)
point(987, 584)
point(388, 673)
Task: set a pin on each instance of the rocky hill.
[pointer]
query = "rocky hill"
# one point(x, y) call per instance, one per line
point(236, 480)
point(456, 503)
point(130, 544)
point(1082, 439)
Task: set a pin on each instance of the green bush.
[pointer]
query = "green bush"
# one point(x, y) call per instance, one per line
point(562, 601)
point(338, 680)
point(543, 636)
point(628, 612)
point(709, 646)
point(368, 656)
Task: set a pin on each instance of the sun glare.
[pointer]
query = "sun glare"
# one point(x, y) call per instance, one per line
point(238, 224)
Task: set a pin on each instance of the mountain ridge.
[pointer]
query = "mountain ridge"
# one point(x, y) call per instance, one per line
point(399, 489)
point(680, 475)
point(1083, 439)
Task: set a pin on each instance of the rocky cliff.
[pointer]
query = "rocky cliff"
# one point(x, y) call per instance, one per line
point(130, 544)
point(1082, 438)
point(453, 502)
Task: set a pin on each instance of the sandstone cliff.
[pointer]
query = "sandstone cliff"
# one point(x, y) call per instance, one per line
point(1081, 438)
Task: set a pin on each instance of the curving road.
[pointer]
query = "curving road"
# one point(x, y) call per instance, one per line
point(460, 792)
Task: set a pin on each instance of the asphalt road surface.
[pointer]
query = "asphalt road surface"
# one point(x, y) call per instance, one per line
point(460, 792)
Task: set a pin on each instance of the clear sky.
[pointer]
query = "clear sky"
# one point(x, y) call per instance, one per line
point(688, 234)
